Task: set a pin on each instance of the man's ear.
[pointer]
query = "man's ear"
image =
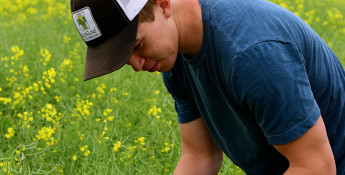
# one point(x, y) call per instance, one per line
point(165, 6)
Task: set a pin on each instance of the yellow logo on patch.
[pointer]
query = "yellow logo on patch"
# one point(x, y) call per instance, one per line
point(86, 24)
point(82, 21)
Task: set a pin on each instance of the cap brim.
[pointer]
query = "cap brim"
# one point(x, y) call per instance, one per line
point(112, 54)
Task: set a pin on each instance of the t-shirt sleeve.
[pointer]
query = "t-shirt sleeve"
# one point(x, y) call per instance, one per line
point(179, 89)
point(270, 80)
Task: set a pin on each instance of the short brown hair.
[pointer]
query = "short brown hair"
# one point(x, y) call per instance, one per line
point(147, 14)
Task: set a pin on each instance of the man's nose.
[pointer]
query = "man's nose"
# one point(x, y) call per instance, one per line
point(136, 62)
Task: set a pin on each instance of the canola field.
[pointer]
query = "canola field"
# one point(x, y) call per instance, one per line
point(52, 122)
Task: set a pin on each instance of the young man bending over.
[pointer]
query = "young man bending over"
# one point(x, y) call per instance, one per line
point(248, 77)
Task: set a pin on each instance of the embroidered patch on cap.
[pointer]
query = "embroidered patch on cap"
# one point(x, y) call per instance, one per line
point(131, 7)
point(86, 24)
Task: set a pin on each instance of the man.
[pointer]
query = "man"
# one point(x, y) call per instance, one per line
point(249, 79)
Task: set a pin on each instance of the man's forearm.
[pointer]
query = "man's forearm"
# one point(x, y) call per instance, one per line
point(199, 165)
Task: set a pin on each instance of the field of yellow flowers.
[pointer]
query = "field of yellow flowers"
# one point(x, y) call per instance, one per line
point(51, 122)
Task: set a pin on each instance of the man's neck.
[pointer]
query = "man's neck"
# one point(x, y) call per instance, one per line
point(188, 20)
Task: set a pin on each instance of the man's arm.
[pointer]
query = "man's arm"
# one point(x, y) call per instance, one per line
point(200, 153)
point(311, 153)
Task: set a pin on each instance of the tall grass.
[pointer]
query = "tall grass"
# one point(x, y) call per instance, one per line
point(122, 123)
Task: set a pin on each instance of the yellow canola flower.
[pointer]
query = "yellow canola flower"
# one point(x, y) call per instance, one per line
point(310, 17)
point(167, 147)
point(49, 76)
point(66, 39)
point(10, 133)
point(46, 134)
point(107, 111)
point(58, 98)
point(35, 86)
point(84, 148)
point(17, 51)
point(284, 5)
point(117, 145)
point(5, 100)
point(115, 100)
point(49, 106)
point(25, 71)
point(67, 64)
point(335, 18)
point(133, 147)
point(110, 118)
point(141, 140)
point(154, 110)
point(25, 119)
point(83, 107)
point(46, 56)
point(87, 153)
point(5, 58)
point(50, 114)
point(31, 11)
point(127, 125)
point(101, 88)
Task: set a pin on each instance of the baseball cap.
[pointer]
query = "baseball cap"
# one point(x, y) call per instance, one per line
point(109, 29)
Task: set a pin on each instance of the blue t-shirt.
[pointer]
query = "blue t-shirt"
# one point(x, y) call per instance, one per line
point(262, 77)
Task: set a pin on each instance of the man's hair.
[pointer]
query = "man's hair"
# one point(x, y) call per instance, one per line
point(147, 14)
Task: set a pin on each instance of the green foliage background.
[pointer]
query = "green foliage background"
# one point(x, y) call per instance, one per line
point(51, 122)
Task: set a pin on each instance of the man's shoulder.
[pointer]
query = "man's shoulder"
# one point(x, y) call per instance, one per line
point(242, 23)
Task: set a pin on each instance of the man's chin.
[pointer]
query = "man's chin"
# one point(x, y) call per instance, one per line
point(166, 68)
